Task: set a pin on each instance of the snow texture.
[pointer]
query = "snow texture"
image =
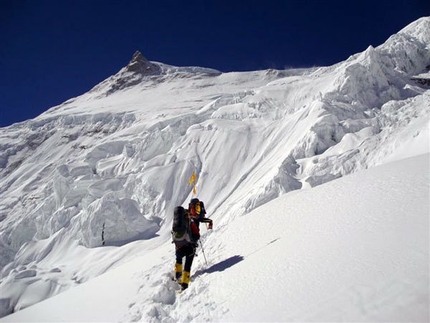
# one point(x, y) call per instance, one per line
point(88, 189)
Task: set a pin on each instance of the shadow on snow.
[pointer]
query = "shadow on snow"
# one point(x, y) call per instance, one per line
point(221, 266)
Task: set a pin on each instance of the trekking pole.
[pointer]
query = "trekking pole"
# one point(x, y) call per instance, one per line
point(203, 251)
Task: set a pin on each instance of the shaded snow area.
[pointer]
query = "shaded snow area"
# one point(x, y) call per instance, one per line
point(354, 249)
point(88, 190)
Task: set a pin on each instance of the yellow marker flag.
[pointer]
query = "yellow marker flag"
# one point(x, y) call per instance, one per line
point(192, 178)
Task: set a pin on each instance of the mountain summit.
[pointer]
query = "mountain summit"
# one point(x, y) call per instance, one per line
point(139, 64)
point(140, 71)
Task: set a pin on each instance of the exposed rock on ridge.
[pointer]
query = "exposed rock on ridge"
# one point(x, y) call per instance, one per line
point(139, 64)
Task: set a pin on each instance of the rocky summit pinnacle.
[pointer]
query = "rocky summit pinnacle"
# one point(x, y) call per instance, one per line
point(139, 64)
point(138, 57)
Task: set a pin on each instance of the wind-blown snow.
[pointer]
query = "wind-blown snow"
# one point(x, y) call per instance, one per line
point(91, 184)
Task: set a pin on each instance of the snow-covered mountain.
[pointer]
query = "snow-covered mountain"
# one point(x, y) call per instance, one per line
point(91, 184)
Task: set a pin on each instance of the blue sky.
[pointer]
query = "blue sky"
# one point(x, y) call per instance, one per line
point(51, 51)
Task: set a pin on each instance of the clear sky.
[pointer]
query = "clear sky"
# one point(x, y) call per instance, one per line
point(51, 51)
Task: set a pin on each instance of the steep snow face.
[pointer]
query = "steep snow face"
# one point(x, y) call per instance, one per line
point(107, 168)
point(419, 29)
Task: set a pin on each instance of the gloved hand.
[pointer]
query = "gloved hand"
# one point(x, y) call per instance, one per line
point(210, 225)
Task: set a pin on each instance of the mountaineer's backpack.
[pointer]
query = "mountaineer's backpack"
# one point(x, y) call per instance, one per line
point(184, 231)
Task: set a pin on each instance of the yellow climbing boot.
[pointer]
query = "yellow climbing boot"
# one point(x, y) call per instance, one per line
point(178, 271)
point(185, 280)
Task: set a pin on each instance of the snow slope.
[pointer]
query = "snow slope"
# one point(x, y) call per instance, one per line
point(91, 184)
point(354, 249)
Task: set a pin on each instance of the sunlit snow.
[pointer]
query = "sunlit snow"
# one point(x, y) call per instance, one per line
point(88, 189)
